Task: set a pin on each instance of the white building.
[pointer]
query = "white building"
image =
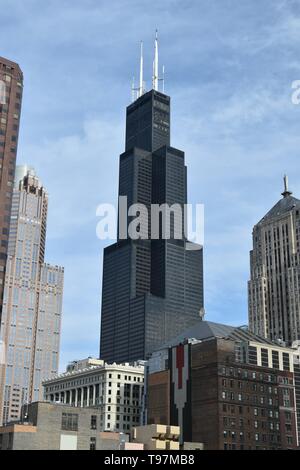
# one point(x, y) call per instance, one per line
point(116, 390)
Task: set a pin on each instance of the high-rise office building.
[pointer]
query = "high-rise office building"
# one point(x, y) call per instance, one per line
point(274, 288)
point(152, 287)
point(11, 88)
point(32, 301)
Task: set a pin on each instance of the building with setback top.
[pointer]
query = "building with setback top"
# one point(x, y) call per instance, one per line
point(32, 301)
point(274, 287)
point(152, 287)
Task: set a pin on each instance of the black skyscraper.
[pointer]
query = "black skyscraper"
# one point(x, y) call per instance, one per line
point(152, 289)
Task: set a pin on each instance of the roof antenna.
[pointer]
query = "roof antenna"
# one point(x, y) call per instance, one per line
point(133, 90)
point(141, 87)
point(163, 79)
point(140, 90)
point(155, 64)
point(286, 191)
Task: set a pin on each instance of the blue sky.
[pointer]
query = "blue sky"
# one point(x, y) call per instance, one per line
point(229, 69)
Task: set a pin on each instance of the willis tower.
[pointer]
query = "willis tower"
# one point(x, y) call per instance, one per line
point(152, 288)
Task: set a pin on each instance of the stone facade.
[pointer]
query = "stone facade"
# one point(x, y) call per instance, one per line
point(117, 390)
point(274, 287)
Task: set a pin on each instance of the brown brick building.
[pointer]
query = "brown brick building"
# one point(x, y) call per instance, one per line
point(217, 399)
point(11, 87)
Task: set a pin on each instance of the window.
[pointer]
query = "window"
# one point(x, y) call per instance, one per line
point(93, 422)
point(69, 422)
point(93, 443)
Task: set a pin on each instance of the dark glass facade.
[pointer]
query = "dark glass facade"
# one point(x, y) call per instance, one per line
point(152, 288)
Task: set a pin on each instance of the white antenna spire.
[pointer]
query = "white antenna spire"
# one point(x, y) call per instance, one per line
point(286, 183)
point(163, 79)
point(286, 191)
point(133, 90)
point(155, 66)
point(141, 88)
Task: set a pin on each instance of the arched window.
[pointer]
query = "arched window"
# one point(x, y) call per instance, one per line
point(2, 92)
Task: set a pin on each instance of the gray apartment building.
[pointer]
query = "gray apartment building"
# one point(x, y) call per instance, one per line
point(32, 301)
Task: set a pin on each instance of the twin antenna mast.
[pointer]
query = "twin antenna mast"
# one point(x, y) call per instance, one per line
point(136, 92)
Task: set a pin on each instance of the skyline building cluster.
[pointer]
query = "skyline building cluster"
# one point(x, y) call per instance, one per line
point(161, 362)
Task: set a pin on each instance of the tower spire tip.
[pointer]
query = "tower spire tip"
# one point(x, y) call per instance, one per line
point(286, 191)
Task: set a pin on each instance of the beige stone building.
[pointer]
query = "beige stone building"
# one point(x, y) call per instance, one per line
point(32, 301)
point(274, 287)
point(157, 436)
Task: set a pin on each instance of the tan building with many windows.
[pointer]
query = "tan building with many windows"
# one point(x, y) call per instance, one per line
point(274, 287)
point(32, 301)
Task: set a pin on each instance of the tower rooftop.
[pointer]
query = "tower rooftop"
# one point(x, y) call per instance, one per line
point(282, 207)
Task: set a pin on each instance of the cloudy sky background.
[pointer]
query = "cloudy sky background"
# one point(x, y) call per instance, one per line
point(229, 69)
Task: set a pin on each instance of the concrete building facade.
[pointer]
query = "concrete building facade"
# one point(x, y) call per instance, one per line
point(48, 426)
point(116, 390)
point(32, 301)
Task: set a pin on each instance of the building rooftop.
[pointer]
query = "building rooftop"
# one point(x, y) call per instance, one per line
point(137, 367)
point(204, 330)
point(285, 205)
